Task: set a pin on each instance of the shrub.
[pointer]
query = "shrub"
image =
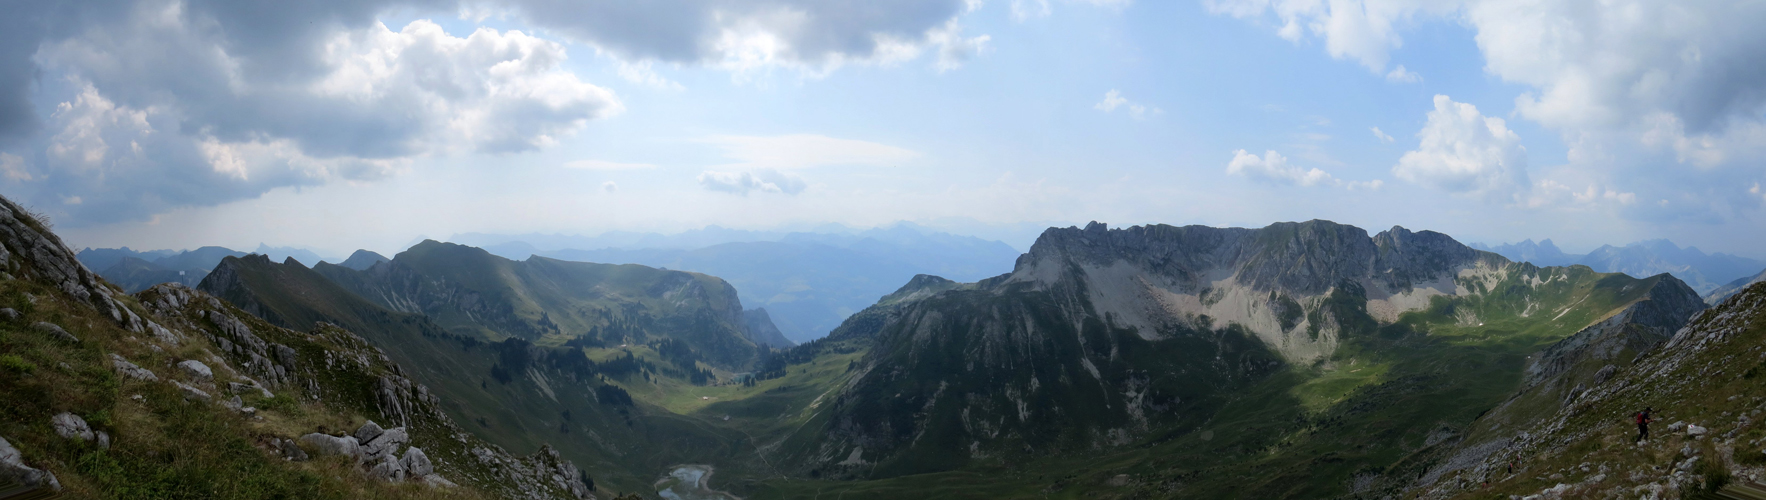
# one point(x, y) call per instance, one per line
point(14, 363)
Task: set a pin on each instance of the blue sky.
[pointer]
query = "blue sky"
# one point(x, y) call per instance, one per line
point(171, 124)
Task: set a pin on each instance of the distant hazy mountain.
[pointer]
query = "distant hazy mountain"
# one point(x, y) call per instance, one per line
point(363, 259)
point(1703, 272)
point(135, 275)
point(810, 282)
point(279, 254)
point(202, 259)
point(1543, 253)
point(99, 259)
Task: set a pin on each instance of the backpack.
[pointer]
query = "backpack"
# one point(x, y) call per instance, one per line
point(1641, 417)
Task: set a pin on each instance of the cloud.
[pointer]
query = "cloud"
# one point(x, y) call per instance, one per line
point(1401, 75)
point(1023, 10)
point(1382, 136)
point(606, 165)
point(798, 151)
point(1633, 88)
point(1113, 99)
point(609, 186)
point(1465, 152)
point(1273, 168)
point(810, 35)
point(742, 183)
point(161, 93)
point(220, 101)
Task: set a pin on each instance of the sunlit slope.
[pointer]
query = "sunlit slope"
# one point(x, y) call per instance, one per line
point(108, 361)
point(1048, 384)
point(1708, 375)
point(471, 292)
point(545, 395)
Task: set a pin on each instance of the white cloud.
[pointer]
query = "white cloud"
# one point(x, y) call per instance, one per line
point(1363, 30)
point(606, 165)
point(1026, 9)
point(1382, 136)
point(797, 151)
point(644, 72)
point(1273, 168)
point(13, 167)
point(1113, 99)
point(1401, 75)
point(1465, 152)
point(609, 186)
point(953, 50)
point(742, 183)
point(1630, 86)
point(499, 92)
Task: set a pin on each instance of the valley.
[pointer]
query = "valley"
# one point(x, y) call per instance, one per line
point(1300, 360)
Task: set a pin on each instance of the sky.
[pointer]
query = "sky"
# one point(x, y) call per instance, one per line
point(337, 125)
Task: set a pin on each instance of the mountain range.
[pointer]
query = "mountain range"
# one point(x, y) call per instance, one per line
point(1703, 272)
point(1298, 360)
point(809, 282)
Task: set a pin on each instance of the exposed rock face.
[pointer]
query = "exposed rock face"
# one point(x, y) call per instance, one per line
point(761, 329)
point(13, 468)
point(196, 370)
point(417, 463)
point(71, 426)
point(130, 370)
point(325, 445)
point(1707, 355)
point(1269, 280)
point(1638, 329)
point(55, 331)
point(30, 250)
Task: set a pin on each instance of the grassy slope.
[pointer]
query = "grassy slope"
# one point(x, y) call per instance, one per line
point(1711, 376)
point(1306, 432)
point(520, 297)
point(163, 446)
point(620, 446)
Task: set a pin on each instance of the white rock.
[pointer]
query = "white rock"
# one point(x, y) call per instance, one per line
point(198, 371)
point(1676, 426)
point(71, 426)
point(324, 444)
point(436, 481)
point(417, 462)
point(55, 330)
point(12, 467)
point(1695, 430)
point(130, 370)
point(191, 392)
point(103, 440)
point(389, 469)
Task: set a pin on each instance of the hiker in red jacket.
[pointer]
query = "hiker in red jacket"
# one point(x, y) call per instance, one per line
point(1643, 420)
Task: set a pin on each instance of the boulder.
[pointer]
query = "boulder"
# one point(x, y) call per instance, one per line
point(290, 451)
point(71, 426)
point(130, 370)
point(388, 469)
point(1696, 430)
point(368, 432)
point(436, 481)
point(54, 330)
point(324, 444)
point(13, 469)
point(9, 314)
point(197, 371)
point(233, 403)
point(387, 444)
point(191, 392)
point(417, 462)
point(1676, 426)
point(103, 440)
